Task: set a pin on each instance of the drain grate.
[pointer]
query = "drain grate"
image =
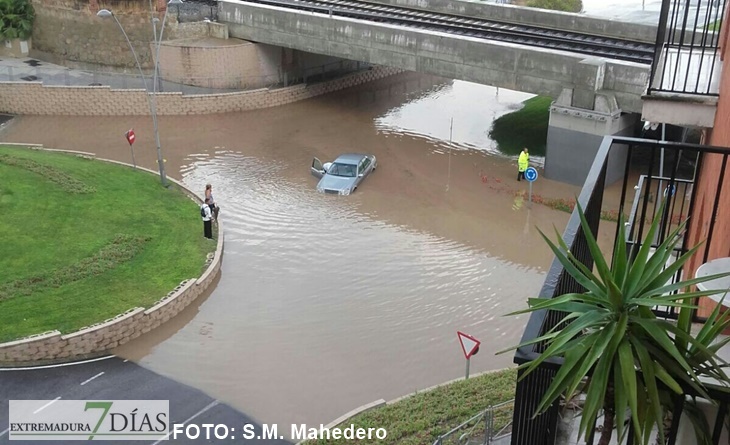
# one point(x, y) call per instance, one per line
point(30, 78)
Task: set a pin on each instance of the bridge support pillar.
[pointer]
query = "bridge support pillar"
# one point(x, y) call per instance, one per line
point(579, 119)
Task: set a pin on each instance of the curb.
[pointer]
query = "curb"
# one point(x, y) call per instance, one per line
point(213, 268)
point(380, 402)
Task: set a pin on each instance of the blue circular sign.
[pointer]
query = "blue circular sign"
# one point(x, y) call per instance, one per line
point(530, 174)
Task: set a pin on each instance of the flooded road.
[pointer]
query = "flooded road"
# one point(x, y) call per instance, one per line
point(325, 303)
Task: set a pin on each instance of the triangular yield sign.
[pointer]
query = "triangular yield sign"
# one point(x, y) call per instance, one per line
point(469, 344)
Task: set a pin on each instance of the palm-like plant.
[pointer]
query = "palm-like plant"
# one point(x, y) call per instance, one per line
point(16, 19)
point(610, 333)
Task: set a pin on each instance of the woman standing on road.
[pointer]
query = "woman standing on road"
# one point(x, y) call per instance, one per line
point(211, 202)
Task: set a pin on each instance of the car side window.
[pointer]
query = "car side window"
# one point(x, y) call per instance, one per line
point(364, 165)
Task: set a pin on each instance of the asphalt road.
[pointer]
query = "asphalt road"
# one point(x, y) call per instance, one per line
point(116, 379)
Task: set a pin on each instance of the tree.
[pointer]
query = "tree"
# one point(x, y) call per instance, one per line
point(614, 344)
point(16, 19)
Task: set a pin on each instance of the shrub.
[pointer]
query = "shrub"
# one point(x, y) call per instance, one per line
point(557, 5)
point(16, 19)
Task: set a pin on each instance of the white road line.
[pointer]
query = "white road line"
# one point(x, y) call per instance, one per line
point(210, 405)
point(60, 365)
point(4, 432)
point(125, 361)
point(92, 378)
point(46, 405)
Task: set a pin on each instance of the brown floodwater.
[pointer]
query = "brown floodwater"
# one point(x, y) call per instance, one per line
point(325, 303)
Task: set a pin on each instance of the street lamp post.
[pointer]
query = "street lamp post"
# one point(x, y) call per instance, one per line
point(160, 161)
point(151, 98)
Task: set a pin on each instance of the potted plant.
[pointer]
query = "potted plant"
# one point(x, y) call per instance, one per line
point(630, 361)
point(16, 25)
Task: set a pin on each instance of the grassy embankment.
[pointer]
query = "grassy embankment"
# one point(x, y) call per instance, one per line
point(85, 240)
point(421, 418)
point(526, 127)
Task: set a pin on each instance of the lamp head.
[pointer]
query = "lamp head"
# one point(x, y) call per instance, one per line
point(175, 2)
point(104, 13)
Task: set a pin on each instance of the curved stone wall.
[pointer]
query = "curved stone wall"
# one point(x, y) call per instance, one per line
point(53, 347)
point(36, 99)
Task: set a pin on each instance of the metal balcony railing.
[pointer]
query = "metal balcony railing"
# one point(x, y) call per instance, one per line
point(642, 190)
point(687, 58)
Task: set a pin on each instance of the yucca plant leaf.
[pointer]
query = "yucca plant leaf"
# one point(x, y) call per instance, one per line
point(649, 378)
point(620, 258)
point(670, 302)
point(591, 284)
point(686, 283)
point(596, 392)
point(599, 378)
point(573, 358)
point(628, 375)
point(715, 322)
point(621, 401)
point(660, 336)
point(566, 335)
point(602, 346)
point(657, 263)
point(598, 260)
point(667, 379)
point(636, 271)
point(674, 369)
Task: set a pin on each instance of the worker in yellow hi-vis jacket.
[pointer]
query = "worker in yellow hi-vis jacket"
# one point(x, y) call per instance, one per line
point(522, 163)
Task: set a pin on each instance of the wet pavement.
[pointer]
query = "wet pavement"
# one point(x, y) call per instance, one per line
point(117, 379)
point(325, 302)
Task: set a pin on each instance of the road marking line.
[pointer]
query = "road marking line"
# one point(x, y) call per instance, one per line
point(125, 361)
point(210, 405)
point(88, 380)
point(60, 365)
point(4, 432)
point(46, 405)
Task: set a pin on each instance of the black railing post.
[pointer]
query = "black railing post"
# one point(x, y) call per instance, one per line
point(661, 32)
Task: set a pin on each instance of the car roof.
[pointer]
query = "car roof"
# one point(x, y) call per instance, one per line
point(350, 158)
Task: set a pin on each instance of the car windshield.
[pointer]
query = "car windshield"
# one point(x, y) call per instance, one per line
point(347, 170)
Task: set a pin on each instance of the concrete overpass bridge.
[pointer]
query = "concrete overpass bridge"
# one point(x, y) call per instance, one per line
point(519, 52)
point(597, 70)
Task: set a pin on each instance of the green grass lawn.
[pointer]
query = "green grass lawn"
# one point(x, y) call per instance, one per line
point(420, 419)
point(85, 240)
point(526, 127)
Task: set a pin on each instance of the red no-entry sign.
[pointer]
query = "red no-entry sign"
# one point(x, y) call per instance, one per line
point(130, 136)
point(469, 344)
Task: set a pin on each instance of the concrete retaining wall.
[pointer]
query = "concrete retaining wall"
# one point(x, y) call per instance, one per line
point(37, 99)
point(53, 347)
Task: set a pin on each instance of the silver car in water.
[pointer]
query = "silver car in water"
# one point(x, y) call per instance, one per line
point(344, 174)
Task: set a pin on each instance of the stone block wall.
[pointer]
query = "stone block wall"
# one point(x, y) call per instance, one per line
point(212, 63)
point(36, 99)
point(95, 340)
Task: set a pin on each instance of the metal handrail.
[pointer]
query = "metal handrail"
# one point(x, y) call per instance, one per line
point(489, 434)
